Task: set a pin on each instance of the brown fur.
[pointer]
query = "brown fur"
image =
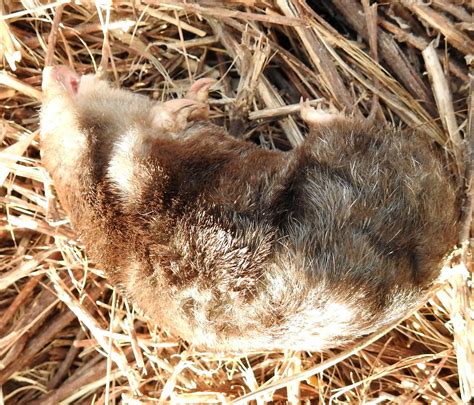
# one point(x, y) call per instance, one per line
point(235, 247)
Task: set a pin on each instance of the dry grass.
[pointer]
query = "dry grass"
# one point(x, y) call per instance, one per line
point(67, 336)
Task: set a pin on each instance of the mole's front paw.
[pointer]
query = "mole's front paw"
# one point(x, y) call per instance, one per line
point(173, 116)
point(199, 92)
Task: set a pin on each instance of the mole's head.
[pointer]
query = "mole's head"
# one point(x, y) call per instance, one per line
point(70, 98)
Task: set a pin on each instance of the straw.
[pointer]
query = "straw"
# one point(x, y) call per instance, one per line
point(67, 336)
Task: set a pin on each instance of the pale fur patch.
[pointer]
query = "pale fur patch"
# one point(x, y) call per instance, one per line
point(125, 169)
point(62, 145)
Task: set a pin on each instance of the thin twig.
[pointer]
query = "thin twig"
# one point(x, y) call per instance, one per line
point(53, 35)
point(444, 101)
point(281, 111)
point(219, 12)
point(18, 301)
point(370, 12)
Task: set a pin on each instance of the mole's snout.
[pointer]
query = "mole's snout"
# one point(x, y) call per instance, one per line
point(60, 79)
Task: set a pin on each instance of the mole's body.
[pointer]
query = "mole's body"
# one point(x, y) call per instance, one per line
point(234, 247)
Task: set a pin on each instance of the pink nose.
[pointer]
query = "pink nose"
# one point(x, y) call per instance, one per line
point(60, 78)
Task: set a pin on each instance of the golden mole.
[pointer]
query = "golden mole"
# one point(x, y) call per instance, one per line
point(238, 248)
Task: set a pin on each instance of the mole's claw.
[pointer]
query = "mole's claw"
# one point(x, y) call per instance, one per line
point(173, 115)
point(199, 90)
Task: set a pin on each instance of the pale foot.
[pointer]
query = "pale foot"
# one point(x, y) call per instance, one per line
point(316, 117)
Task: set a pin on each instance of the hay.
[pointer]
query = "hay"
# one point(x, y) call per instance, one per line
point(67, 336)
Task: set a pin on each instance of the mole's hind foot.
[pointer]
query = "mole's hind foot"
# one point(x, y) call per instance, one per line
point(316, 117)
